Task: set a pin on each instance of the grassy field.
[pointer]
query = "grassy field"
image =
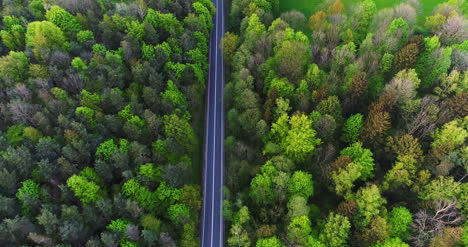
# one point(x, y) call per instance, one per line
point(308, 7)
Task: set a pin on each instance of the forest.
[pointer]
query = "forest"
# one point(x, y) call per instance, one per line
point(347, 127)
point(101, 104)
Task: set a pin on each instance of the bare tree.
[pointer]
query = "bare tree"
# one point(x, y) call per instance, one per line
point(22, 112)
point(426, 225)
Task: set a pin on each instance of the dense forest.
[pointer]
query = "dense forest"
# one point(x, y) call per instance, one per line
point(348, 127)
point(101, 104)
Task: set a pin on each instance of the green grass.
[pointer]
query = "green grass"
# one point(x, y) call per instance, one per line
point(308, 7)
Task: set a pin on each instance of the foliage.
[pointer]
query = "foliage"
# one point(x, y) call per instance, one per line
point(269, 242)
point(301, 184)
point(87, 191)
point(64, 20)
point(352, 128)
point(336, 230)
point(362, 158)
point(399, 221)
point(295, 136)
point(44, 35)
point(369, 202)
point(14, 66)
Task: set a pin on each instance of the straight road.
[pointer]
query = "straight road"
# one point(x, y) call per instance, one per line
point(212, 225)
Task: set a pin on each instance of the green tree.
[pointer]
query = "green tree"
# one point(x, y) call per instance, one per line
point(14, 66)
point(84, 35)
point(44, 35)
point(433, 62)
point(181, 131)
point(229, 45)
point(85, 190)
point(362, 18)
point(352, 128)
point(336, 231)
point(301, 184)
point(261, 189)
point(166, 21)
point(179, 213)
point(295, 136)
point(452, 134)
point(108, 148)
point(37, 9)
point(400, 220)
point(13, 33)
point(14, 134)
point(174, 95)
point(299, 229)
point(78, 64)
point(332, 107)
point(393, 242)
point(297, 206)
point(239, 237)
point(344, 179)
point(64, 20)
point(28, 189)
point(269, 242)
point(362, 158)
point(369, 202)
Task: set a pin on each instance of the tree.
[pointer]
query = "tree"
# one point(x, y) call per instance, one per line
point(269, 242)
point(179, 213)
point(369, 201)
point(392, 242)
point(301, 184)
point(84, 35)
point(362, 158)
point(406, 57)
point(87, 191)
point(14, 66)
point(405, 83)
point(400, 221)
point(332, 107)
point(297, 206)
point(352, 128)
point(174, 95)
point(376, 232)
point(318, 21)
point(239, 237)
point(336, 231)
point(295, 136)
point(13, 33)
point(109, 148)
point(64, 20)
point(229, 45)
point(181, 131)
point(361, 19)
point(291, 59)
point(405, 145)
point(299, 229)
point(427, 225)
point(344, 179)
point(44, 35)
point(336, 8)
point(29, 189)
point(433, 62)
point(261, 189)
point(451, 134)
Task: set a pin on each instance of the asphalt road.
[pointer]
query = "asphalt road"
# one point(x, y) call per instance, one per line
point(212, 225)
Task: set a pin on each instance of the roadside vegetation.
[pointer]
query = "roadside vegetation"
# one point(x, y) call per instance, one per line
point(99, 107)
point(348, 126)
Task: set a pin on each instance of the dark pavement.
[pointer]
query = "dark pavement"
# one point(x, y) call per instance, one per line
point(212, 225)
